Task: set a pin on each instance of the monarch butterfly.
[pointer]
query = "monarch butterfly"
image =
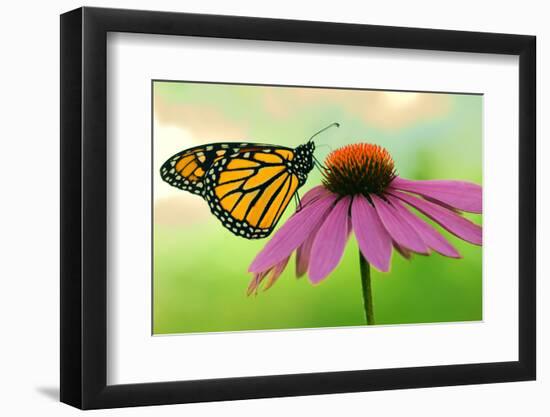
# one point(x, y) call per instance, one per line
point(247, 185)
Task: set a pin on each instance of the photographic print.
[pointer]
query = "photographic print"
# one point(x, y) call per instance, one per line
point(291, 207)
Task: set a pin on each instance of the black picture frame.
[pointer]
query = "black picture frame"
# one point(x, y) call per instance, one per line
point(84, 209)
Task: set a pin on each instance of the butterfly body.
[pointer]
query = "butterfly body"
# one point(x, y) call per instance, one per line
point(246, 185)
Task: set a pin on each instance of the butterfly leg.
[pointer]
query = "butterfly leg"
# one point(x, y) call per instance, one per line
point(319, 165)
point(298, 201)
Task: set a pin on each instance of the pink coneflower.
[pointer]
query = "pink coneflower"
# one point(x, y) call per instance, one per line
point(361, 192)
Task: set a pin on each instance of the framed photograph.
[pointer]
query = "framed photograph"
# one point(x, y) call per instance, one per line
point(258, 207)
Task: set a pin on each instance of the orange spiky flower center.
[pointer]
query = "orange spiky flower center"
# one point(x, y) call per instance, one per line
point(359, 168)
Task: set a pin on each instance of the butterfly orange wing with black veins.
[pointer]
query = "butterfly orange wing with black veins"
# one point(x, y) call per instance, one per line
point(247, 186)
point(186, 169)
point(249, 190)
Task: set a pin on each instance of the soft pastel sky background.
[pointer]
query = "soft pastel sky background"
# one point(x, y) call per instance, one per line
point(200, 276)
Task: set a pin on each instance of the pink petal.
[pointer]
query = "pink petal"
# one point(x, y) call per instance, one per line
point(313, 195)
point(461, 195)
point(398, 228)
point(303, 253)
point(291, 234)
point(330, 241)
point(373, 239)
point(304, 250)
point(451, 221)
point(429, 234)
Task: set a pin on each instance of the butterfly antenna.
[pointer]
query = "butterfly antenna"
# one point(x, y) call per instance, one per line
point(324, 145)
point(325, 128)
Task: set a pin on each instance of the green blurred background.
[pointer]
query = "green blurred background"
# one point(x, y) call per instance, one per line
point(200, 269)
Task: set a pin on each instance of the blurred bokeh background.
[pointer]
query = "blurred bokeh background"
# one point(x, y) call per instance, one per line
point(200, 269)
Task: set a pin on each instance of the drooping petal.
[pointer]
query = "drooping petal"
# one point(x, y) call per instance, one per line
point(405, 253)
point(457, 225)
point(461, 195)
point(428, 233)
point(330, 241)
point(374, 241)
point(256, 281)
point(277, 271)
point(292, 234)
point(398, 228)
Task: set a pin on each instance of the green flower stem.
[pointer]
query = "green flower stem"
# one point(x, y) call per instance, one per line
point(367, 288)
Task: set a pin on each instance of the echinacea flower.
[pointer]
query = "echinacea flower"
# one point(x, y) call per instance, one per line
point(361, 192)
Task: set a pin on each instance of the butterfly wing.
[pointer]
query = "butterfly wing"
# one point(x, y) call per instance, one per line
point(186, 169)
point(248, 190)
